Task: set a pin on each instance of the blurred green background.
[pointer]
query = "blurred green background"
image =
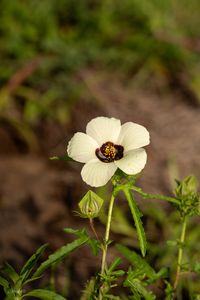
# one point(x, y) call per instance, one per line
point(44, 45)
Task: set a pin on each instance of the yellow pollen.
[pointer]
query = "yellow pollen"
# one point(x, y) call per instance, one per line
point(110, 151)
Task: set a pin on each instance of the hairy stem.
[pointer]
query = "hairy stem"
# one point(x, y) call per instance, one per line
point(180, 252)
point(105, 243)
point(107, 233)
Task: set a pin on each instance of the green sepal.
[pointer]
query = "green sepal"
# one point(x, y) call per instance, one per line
point(185, 187)
point(189, 199)
point(90, 205)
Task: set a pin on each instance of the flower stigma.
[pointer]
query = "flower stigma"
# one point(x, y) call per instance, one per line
point(109, 152)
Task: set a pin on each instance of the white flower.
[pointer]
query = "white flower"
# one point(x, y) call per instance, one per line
point(106, 146)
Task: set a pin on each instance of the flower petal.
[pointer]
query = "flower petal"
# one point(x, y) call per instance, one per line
point(133, 136)
point(104, 129)
point(133, 161)
point(96, 173)
point(82, 147)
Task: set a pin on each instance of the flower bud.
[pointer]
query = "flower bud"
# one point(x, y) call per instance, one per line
point(90, 205)
point(186, 192)
point(187, 186)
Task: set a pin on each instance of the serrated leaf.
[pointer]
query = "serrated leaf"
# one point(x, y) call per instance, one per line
point(94, 244)
point(27, 268)
point(60, 254)
point(136, 286)
point(10, 272)
point(77, 232)
point(90, 290)
point(137, 261)
point(137, 219)
point(44, 295)
point(114, 265)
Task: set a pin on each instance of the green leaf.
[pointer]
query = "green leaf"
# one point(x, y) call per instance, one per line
point(137, 261)
point(114, 265)
point(44, 294)
point(4, 283)
point(89, 293)
point(112, 297)
point(111, 270)
point(169, 291)
point(118, 273)
point(65, 157)
point(27, 268)
point(60, 254)
point(10, 272)
point(31, 279)
point(137, 288)
point(137, 219)
point(77, 232)
point(94, 244)
point(163, 273)
point(8, 289)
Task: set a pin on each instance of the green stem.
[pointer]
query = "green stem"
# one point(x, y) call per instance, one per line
point(180, 252)
point(149, 196)
point(106, 241)
point(107, 233)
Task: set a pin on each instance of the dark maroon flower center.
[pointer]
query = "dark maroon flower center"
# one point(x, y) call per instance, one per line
point(109, 152)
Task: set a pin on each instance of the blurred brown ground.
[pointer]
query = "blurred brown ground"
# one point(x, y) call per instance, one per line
point(38, 196)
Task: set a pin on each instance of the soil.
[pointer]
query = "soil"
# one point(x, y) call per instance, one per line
point(38, 196)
